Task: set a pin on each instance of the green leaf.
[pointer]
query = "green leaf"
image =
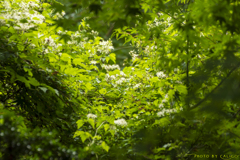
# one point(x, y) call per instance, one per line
point(43, 25)
point(65, 57)
point(106, 127)
point(112, 132)
point(91, 121)
point(1, 121)
point(33, 81)
point(112, 56)
point(181, 88)
point(71, 71)
point(80, 123)
point(12, 30)
point(24, 80)
point(56, 91)
point(83, 135)
point(97, 137)
point(89, 87)
point(77, 61)
point(105, 146)
point(164, 121)
point(103, 91)
point(43, 89)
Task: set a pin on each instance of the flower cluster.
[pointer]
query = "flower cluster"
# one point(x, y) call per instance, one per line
point(160, 22)
point(121, 122)
point(24, 16)
point(137, 86)
point(149, 50)
point(57, 15)
point(94, 33)
point(105, 46)
point(161, 75)
point(167, 145)
point(121, 80)
point(108, 77)
point(166, 111)
point(110, 67)
point(93, 62)
point(165, 99)
point(92, 116)
point(134, 55)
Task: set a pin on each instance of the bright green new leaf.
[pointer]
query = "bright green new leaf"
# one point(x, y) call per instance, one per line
point(105, 146)
point(65, 57)
point(181, 88)
point(91, 121)
point(89, 87)
point(103, 91)
point(77, 61)
point(33, 81)
point(83, 135)
point(80, 123)
point(106, 127)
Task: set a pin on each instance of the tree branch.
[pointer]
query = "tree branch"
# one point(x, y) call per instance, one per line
point(224, 79)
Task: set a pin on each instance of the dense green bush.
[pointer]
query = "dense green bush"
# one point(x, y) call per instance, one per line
point(64, 97)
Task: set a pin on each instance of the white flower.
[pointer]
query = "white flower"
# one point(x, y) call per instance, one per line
point(63, 13)
point(93, 62)
point(40, 35)
point(166, 96)
point(103, 43)
point(161, 113)
point(111, 67)
point(166, 145)
point(32, 4)
point(105, 46)
point(179, 82)
point(133, 54)
point(122, 73)
point(6, 5)
point(23, 26)
point(90, 115)
point(164, 101)
point(164, 111)
point(169, 19)
point(161, 74)
point(112, 77)
point(59, 32)
point(120, 81)
point(176, 69)
point(95, 33)
point(33, 45)
point(107, 76)
point(137, 85)
point(161, 105)
point(120, 122)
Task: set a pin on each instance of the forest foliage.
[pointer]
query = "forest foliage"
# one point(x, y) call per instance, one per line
point(66, 94)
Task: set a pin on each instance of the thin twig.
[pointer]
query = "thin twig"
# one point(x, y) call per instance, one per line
point(110, 30)
point(96, 133)
point(224, 79)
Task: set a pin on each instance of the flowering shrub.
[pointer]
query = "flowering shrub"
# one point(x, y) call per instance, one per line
point(68, 82)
